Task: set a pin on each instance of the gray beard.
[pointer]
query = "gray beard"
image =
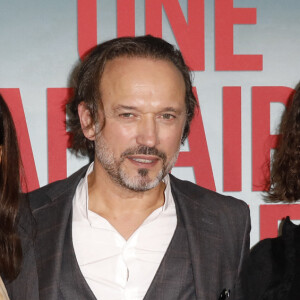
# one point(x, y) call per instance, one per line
point(140, 182)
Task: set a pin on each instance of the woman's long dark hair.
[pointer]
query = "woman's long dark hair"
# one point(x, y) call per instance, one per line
point(10, 245)
point(285, 171)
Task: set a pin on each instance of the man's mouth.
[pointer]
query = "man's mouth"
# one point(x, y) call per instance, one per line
point(142, 160)
point(144, 153)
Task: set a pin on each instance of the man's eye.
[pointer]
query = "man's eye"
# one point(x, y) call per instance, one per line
point(126, 115)
point(168, 116)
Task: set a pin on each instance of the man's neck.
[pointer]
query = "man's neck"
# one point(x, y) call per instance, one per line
point(125, 209)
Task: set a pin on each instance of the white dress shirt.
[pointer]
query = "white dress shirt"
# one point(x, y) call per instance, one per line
point(114, 268)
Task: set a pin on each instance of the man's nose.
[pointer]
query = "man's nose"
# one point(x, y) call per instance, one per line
point(147, 132)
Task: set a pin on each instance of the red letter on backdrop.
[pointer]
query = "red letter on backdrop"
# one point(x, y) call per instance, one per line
point(198, 156)
point(57, 135)
point(189, 35)
point(232, 145)
point(271, 214)
point(262, 140)
point(87, 22)
point(87, 25)
point(126, 17)
point(14, 102)
point(225, 17)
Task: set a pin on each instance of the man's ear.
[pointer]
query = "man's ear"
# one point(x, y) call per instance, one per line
point(86, 121)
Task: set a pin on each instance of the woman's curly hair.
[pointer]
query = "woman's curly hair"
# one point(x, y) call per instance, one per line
point(285, 170)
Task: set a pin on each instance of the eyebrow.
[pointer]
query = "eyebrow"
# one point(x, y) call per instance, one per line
point(170, 108)
point(120, 107)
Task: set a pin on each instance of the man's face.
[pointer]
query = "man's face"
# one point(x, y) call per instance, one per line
point(144, 108)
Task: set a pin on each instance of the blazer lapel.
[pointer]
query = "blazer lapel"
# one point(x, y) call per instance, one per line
point(52, 220)
point(202, 226)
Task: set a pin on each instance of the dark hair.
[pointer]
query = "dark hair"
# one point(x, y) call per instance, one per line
point(10, 245)
point(88, 76)
point(285, 171)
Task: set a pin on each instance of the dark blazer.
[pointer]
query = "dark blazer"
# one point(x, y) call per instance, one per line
point(217, 232)
point(273, 271)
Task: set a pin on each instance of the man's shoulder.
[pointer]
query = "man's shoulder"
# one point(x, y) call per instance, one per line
point(200, 195)
point(50, 192)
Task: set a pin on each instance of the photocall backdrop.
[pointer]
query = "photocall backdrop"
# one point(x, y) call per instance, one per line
point(245, 58)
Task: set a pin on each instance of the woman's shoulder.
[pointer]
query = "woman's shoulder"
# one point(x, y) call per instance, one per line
point(271, 261)
point(276, 251)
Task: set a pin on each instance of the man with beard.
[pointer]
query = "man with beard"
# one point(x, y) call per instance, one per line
point(123, 227)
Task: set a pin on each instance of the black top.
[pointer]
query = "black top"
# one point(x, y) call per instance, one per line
point(273, 270)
